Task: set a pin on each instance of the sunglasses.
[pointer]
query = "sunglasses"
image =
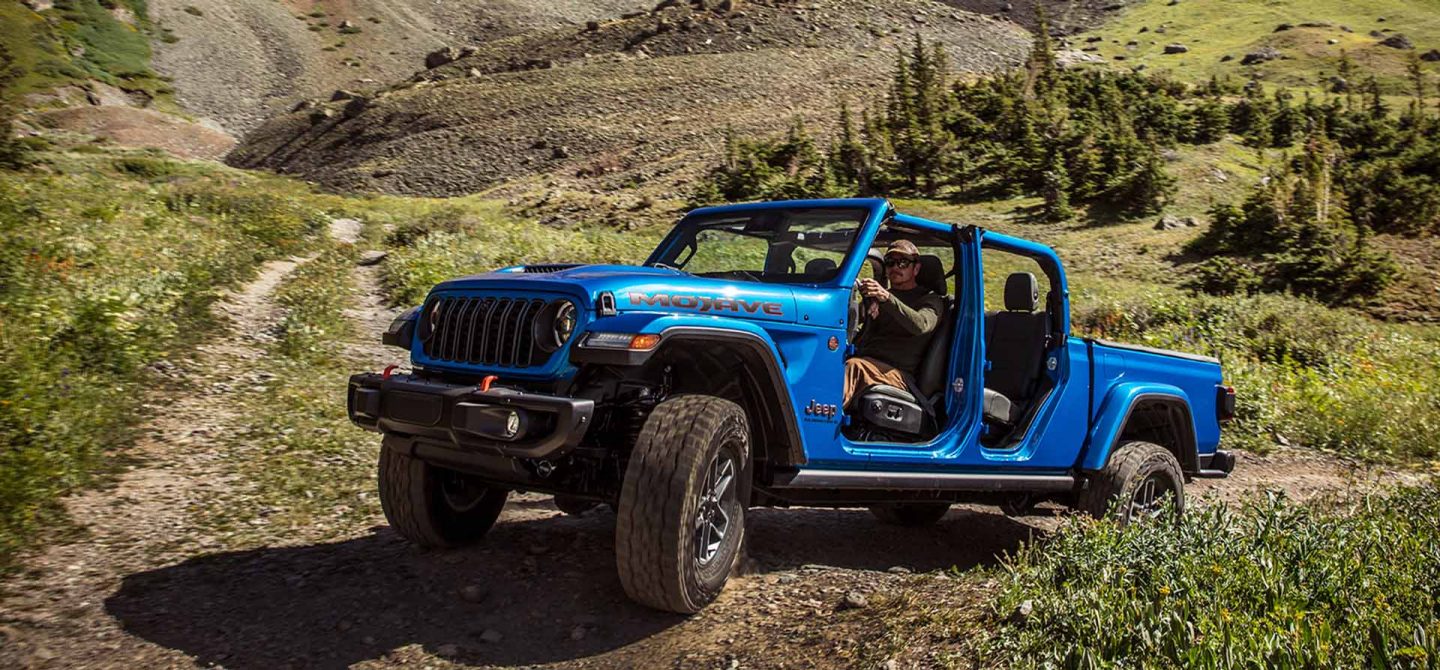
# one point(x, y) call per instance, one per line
point(901, 263)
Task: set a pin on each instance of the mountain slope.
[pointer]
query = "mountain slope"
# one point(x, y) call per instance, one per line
point(240, 61)
point(638, 101)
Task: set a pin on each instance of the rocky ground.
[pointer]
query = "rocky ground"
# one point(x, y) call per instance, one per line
point(240, 61)
point(148, 579)
point(638, 103)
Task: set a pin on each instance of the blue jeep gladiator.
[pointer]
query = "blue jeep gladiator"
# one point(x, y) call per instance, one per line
point(709, 379)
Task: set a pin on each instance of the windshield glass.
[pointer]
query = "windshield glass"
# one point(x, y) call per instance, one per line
point(786, 246)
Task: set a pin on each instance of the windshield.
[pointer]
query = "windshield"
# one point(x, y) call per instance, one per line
point(785, 246)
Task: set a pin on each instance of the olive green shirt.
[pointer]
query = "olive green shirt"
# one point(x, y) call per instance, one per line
point(901, 332)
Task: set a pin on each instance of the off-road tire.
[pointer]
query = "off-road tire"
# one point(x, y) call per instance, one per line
point(413, 497)
point(574, 506)
point(1111, 490)
point(910, 515)
point(660, 503)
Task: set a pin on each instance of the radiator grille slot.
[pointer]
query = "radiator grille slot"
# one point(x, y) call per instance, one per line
point(488, 330)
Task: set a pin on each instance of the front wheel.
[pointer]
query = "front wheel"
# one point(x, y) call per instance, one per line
point(681, 519)
point(434, 506)
point(1142, 481)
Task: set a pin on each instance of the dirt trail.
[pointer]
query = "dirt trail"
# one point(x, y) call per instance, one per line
point(146, 585)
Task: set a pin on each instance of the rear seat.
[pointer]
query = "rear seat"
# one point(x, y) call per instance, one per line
point(1015, 346)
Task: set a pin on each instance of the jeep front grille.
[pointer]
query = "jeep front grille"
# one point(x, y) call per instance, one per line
point(481, 330)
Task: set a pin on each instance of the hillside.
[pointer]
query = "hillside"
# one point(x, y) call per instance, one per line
point(241, 61)
point(1288, 43)
point(632, 102)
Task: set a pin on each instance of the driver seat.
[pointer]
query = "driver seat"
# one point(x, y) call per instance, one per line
point(905, 410)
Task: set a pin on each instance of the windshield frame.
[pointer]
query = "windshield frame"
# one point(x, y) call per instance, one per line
point(869, 213)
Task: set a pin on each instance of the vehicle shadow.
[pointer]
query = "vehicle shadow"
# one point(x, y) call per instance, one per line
point(547, 587)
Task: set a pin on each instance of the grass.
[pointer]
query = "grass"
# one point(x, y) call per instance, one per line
point(1265, 583)
point(82, 40)
point(1212, 29)
point(1268, 584)
point(304, 467)
point(107, 264)
point(438, 240)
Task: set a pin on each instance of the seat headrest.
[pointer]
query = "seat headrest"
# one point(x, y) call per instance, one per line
point(822, 268)
point(931, 274)
point(1022, 294)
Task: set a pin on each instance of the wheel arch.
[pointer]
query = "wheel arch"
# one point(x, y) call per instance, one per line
point(744, 368)
point(1154, 413)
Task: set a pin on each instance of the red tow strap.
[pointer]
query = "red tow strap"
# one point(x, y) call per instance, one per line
point(486, 382)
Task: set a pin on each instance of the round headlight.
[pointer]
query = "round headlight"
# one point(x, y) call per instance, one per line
point(555, 325)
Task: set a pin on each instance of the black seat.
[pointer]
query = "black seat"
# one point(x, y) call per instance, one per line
point(1015, 343)
point(899, 408)
point(820, 269)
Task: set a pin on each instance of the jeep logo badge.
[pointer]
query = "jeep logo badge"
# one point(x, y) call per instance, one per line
point(821, 409)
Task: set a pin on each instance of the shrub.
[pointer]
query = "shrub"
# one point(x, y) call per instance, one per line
point(1318, 377)
point(1270, 584)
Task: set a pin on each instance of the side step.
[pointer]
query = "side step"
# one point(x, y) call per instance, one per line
point(923, 481)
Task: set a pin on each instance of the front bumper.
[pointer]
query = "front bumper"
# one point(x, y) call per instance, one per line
point(464, 416)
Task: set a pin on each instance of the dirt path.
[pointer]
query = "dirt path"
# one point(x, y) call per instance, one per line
point(147, 584)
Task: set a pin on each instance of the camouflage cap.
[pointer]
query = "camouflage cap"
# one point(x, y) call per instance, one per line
point(905, 247)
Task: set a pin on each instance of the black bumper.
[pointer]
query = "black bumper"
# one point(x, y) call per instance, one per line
point(465, 416)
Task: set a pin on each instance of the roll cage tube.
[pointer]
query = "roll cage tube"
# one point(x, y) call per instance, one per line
point(876, 212)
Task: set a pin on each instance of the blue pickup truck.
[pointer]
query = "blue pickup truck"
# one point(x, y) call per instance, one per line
point(708, 380)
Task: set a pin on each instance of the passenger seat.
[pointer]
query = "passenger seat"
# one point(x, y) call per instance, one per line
point(1015, 342)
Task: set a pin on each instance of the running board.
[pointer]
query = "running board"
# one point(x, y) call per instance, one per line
point(923, 481)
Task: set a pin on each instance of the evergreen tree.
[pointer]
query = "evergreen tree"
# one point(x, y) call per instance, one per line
point(1056, 191)
point(12, 151)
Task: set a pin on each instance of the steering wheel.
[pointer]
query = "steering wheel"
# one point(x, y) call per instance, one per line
point(859, 316)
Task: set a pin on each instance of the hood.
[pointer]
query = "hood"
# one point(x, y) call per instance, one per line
point(640, 288)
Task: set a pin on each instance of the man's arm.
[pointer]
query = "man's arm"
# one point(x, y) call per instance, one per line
point(914, 321)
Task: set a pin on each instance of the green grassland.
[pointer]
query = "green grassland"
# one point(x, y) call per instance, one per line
point(78, 41)
point(108, 262)
point(1213, 29)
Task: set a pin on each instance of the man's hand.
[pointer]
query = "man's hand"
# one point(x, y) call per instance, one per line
point(872, 290)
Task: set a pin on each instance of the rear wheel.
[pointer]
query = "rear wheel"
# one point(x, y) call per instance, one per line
point(681, 520)
point(433, 506)
point(1142, 481)
point(910, 514)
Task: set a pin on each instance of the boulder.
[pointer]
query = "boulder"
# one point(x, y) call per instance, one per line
point(1261, 55)
point(356, 106)
point(592, 26)
point(1431, 56)
point(341, 94)
point(1284, 27)
point(1397, 41)
point(1176, 49)
point(1338, 84)
point(440, 57)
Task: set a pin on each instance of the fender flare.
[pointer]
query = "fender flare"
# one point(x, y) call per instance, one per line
point(1115, 414)
point(770, 364)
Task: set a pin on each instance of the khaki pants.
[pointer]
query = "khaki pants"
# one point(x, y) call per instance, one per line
point(862, 373)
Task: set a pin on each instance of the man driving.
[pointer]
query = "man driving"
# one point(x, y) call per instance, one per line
point(901, 321)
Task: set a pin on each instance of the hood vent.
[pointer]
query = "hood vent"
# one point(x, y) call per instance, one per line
point(549, 268)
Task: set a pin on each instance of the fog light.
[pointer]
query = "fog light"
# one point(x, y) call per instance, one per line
point(512, 424)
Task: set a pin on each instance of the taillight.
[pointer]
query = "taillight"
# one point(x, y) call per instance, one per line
point(1225, 402)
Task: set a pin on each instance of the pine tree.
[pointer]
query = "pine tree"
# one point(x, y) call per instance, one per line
point(849, 161)
point(1417, 82)
point(1056, 191)
point(12, 151)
